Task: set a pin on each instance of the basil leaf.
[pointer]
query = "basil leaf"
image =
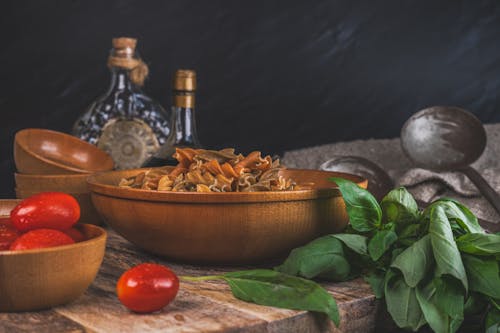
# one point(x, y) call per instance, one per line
point(495, 303)
point(416, 261)
point(409, 234)
point(455, 324)
point(462, 215)
point(399, 206)
point(437, 319)
point(363, 210)
point(479, 244)
point(402, 303)
point(450, 297)
point(380, 243)
point(357, 243)
point(492, 321)
point(445, 249)
point(323, 256)
point(483, 275)
point(377, 282)
point(395, 253)
point(268, 287)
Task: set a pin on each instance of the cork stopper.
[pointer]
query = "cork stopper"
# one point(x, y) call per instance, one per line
point(123, 55)
point(124, 43)
point(185, 80)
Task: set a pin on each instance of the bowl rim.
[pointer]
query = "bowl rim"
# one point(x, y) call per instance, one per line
point(20, 135)
point(97, 187)
point(25, 190)
point(50, 176)
point(89, 242)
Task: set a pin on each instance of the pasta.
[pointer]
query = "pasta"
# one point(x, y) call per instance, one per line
point(201, 170)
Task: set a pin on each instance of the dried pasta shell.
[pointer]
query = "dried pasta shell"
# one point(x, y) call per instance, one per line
point(216, 171)
point(213, 167)
point(202, 188)
point(165, 183)
point(228, 170)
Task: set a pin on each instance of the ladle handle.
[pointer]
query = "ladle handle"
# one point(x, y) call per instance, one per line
point(486, 190)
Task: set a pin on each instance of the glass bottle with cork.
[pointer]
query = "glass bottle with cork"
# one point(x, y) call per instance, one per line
point(124, 122)
point(183, 125)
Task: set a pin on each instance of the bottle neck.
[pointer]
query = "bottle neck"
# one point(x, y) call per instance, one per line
point(120, 80)
point(183, 119)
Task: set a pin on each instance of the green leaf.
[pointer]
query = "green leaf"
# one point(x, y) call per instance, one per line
point(323, 256)
point(357, 243)
point(380, 243)
point(462, 215)
point(495, 303)
point(450, 297)
point(455, 324)
point(479, 244)
point(395, 253)
point(437, 319)
point(268, 287)
point(409, 234)
point(399, 206)
point(376, 279)
point(364, 212)
point(416, 261)
point(402, 303)
point(492, 321)
point(483, 275)
point(445, 249)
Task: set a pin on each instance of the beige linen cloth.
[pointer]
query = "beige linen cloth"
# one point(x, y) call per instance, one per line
point(425, 185)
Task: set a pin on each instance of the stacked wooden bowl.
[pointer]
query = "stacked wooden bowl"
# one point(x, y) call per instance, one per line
point(38, 279)
point(49, 161)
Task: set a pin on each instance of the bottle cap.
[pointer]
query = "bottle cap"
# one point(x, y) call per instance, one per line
point(185, 80)
point(124, 42)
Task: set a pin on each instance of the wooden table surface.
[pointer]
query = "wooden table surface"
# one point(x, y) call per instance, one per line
point(199, 306)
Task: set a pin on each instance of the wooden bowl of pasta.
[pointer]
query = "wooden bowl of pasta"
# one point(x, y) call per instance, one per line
point(223, 228)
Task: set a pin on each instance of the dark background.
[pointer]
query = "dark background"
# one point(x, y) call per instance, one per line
point(273, 75)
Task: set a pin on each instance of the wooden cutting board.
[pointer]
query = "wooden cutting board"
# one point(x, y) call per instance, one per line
point(198, 307)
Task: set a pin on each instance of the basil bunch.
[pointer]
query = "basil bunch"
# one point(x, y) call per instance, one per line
point(431, 266)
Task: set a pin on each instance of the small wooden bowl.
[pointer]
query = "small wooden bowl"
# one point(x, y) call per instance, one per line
point(42, 278)
point(88, 214)
point(41, 151)
point(73, 183)
point(228, 228)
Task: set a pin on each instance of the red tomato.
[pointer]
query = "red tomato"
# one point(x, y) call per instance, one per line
point(74, 233)
point(147, 287)
point(8, 234)
point(40, 238)
point(53, 210)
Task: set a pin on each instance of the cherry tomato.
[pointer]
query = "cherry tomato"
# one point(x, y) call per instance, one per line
point(8, 234)
point(53, 210)
point(147, 287)
point(40, 238)
point(74, 233)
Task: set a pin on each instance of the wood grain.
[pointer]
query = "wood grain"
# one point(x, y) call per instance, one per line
point(41, 322)
point(42, 151)
point(199, 307)
point(222, 228)
point(41, 278)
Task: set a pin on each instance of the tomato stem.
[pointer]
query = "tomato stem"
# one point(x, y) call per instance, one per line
point(201, 278)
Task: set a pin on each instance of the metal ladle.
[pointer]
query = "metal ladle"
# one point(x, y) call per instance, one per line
point(444, 138)
point(379, 182)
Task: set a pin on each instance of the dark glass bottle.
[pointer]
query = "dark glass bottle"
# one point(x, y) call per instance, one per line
point(183, 131)
point(124, 122)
